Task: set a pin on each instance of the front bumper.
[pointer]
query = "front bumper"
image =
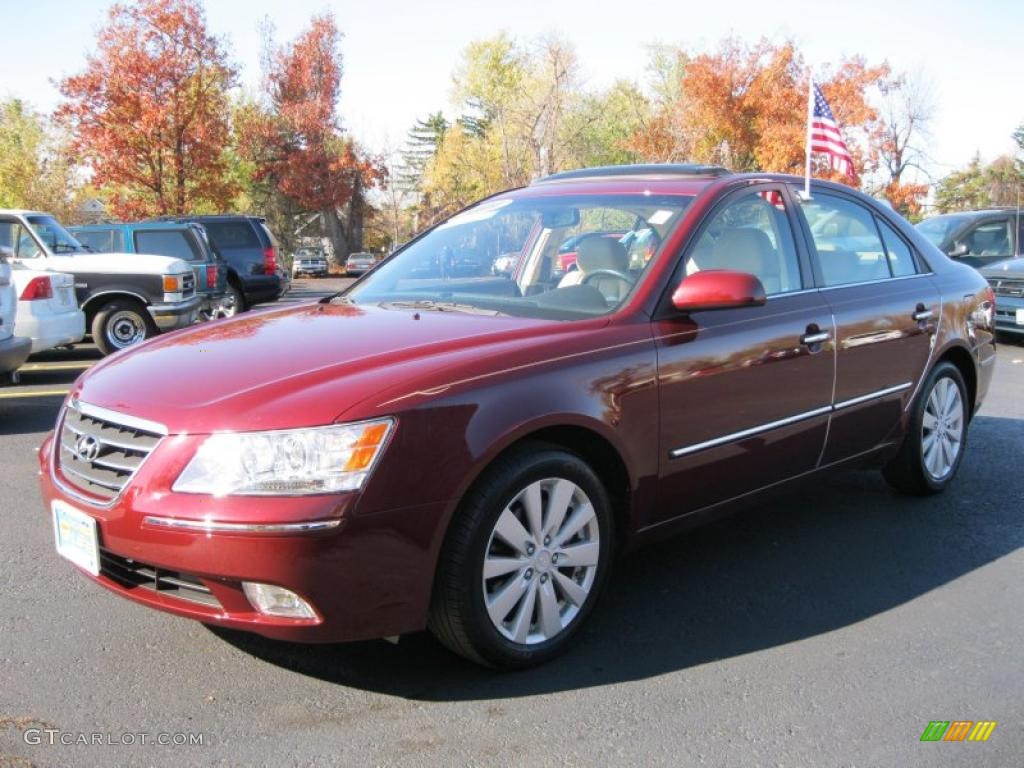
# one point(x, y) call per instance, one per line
point(13, 352)
point(1007, 310)
point(368, 577)
point(181, 314)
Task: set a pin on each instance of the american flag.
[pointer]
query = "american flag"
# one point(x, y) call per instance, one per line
point(825, 136)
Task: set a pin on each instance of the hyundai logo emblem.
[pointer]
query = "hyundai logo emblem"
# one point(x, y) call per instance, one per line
point(87, 448)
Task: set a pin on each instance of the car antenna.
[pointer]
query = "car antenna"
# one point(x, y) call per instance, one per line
point(1017, 238)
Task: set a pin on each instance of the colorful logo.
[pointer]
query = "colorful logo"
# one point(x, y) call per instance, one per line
point(958, 730)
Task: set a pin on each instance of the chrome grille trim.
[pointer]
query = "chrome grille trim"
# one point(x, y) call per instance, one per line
point(120, 445)
point(1007, 286)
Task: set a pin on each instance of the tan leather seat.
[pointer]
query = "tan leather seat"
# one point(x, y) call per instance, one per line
point(597, 253)
point(747, 250)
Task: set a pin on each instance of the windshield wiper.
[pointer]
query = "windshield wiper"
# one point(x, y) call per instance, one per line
point(429, 305)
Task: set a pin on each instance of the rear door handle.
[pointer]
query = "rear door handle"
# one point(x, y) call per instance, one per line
point(815, 338)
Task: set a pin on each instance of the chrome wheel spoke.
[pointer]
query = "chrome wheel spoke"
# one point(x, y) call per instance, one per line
point(581, 516)
point(579, 555)
point(550, 616)
point(559, 502)
point(929, 421)
point(511, 531)
point(524, 616)
point(501, 604)
point(499, 566)
point(570, 588)
point(533, 503)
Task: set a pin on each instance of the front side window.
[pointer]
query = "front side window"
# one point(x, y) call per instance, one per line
point(14, 236)
point(849, 247)
point(167, 242)
point(989, 239)
point(56, 238)
point(508, 256)
point(100, 240)
point(751, 234)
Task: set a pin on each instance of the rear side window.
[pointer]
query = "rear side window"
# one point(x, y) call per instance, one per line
point(846, 239)
point(101, 240)
point(232, 234)
point(169, 242)
point(901, 259)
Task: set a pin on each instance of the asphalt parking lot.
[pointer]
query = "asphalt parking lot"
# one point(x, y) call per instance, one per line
point(826, 628)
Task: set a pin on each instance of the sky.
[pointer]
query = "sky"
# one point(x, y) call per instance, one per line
point(399, 55)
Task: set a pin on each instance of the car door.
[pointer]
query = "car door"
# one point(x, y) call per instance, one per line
point(886, 310)
point(744, 393)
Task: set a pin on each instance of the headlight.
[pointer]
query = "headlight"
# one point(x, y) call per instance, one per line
point(288, 462)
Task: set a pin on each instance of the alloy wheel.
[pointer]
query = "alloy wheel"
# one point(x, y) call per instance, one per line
point(541, 561)
point(942, 428)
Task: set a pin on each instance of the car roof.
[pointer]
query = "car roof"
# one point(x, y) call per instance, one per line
point(134, 225)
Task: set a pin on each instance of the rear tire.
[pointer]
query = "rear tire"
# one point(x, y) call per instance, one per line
point(232, 303)
point(936, 438)
point(120, 324)
point(511, 605)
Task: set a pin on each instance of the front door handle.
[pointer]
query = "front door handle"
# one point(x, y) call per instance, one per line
point(818, 337)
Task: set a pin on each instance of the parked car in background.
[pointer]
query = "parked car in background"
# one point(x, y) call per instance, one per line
point(565, 261)
point(286, 279)
point(309, 261)
point(358, 263)
point(187, 242)
point(468, 453)
point(250, 250)
point(14, 350)
point(1007, 281)
point(48, 310)
point(978, 238)
point(127, 298)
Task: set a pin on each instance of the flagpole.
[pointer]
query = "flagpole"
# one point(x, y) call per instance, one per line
point(810, 120)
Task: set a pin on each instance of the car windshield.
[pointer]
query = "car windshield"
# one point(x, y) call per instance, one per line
point(939, 228)
point(56, 238)
point(500, 257)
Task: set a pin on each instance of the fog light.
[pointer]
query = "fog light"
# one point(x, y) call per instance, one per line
point(277, 601)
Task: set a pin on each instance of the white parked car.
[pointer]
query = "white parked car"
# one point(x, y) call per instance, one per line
point(48, 312)
point(13, 349)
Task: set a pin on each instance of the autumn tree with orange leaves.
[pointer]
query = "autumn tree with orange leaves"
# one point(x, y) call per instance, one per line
point(295, 141)
point(150, 112)
point(745, 107)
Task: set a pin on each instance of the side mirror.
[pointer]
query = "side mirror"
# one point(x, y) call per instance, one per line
point(718, 289)
point(6, 254)
point(958, 250)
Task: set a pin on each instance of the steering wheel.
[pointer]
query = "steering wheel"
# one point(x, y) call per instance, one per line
point(606, 273)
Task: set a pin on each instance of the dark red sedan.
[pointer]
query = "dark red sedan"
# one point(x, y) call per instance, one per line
point(465, 452)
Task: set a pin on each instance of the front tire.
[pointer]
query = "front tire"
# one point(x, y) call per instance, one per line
point(524, 560)
point(120, 324)
point(937, 436)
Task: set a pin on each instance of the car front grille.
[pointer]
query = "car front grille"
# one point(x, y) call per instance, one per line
point(132, 574)
point(1007, 286)
point(188, 284)
point(101, 451)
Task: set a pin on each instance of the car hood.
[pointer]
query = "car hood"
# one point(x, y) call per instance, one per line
point(302, 366)
point(117, 264)
point(1008, 268)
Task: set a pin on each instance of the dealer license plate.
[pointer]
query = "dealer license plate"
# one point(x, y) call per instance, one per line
point(76, 536)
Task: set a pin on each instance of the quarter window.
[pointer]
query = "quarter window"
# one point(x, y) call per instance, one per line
point(901, 259)
point(846, 239)
point(751, 234)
